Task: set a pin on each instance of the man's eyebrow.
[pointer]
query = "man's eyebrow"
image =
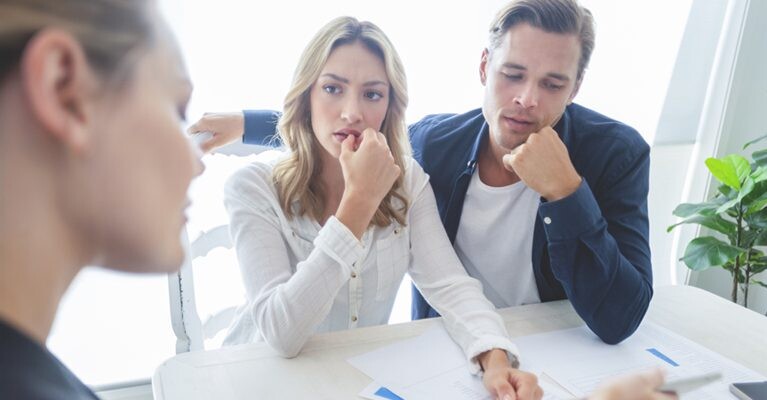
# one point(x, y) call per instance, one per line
point(555, 75)
point(346, 81)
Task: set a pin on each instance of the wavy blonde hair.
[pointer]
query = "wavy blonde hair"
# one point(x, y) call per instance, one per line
point(297, 176)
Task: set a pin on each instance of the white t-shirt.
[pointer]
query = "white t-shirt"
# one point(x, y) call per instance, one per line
point(495, 240)
point(302, 278)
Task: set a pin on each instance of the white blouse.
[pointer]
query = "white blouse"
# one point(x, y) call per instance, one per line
point(302, 278)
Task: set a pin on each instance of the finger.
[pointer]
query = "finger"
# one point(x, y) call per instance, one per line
point(209, 145)
point(527, 391)
point(196, 127)
point(653, 378)
point(505, 391)
point(370, 134)
point(348, 145)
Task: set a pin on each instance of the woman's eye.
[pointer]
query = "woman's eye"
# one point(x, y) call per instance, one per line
point(374, 95)
point(513, 77)
point(331, 89)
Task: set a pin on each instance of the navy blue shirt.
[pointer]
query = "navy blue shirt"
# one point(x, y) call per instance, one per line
point(594, 251)
point(28, 371)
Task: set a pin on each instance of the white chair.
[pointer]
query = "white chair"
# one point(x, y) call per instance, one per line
point(192, 332)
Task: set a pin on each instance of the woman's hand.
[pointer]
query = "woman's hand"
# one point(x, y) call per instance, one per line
point(634, 387)
point(505, 382)
point(369, 173)
point(225, 127)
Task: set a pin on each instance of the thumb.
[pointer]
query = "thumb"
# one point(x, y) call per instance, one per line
point(508, 161)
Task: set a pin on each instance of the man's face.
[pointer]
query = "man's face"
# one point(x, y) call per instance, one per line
point(529, 79)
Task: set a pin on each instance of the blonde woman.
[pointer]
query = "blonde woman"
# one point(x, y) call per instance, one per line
point(85, 87)
point(325, 232)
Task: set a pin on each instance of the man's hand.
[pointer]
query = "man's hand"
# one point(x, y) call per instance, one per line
point(634, 387)
point(225, 128)
point(543, 163)
point(505, 382)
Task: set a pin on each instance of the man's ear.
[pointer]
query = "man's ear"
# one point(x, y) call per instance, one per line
point(57, 82)
point(483, 65)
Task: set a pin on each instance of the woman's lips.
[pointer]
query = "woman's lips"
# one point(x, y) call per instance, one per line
point(344, 133)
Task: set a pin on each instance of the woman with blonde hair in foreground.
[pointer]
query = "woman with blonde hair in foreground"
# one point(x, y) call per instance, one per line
point(94, 166)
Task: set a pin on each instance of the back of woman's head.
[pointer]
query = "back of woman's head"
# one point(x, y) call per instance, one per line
point(108, 30)
point(92, 97)
point(295, 176)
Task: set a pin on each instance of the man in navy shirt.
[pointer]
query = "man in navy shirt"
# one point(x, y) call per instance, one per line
point(542, 199)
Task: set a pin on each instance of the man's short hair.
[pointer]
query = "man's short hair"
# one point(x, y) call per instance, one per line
point(555, 16)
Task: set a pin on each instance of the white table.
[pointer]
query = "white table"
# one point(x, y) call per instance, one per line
point(321, 371)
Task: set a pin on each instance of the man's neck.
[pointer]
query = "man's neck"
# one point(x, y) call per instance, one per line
point(492, 172)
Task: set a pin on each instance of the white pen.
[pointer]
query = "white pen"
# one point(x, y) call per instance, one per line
point(688, 384)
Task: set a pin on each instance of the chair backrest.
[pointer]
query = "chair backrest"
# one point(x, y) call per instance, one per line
point(206, 291)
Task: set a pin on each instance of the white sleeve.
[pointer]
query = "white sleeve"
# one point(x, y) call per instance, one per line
point(285, 306)
point(436, 270)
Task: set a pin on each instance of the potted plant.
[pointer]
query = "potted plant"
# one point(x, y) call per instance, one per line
point(738, 211)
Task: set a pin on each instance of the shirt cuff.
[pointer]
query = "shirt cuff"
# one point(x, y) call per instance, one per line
point(338, 242)
point(489, 343)
point(260, 127)
point(572, 216)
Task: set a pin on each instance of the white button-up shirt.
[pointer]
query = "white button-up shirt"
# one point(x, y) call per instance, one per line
point(302, 278)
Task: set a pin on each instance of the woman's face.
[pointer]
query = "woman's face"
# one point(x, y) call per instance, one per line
point(135, 175)
point(350, 95)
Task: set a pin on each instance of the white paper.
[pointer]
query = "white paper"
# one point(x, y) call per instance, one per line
point(429, 366)
point(570, 363)
point(580, 362)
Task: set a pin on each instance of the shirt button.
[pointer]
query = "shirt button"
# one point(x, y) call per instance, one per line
point(354, 318)
point(354, 274)
point(547, 220)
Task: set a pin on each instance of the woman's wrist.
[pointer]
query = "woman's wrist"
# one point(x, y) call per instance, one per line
point(495, 358)
point(355, 211)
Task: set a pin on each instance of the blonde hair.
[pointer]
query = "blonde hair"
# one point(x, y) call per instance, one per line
point(296, 177)
point(108, 30)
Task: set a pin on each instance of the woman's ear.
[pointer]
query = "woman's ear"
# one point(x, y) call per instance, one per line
point(58, 86)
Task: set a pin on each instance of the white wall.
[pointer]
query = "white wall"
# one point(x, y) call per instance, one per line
point(744, 119)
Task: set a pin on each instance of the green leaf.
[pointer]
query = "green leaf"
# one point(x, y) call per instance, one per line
point(748, 186)
point(760, 283)
point(757, 220)
point(759, 139)
point(685, 210)
point(724, 170)
point(713, 222)
point(760, 157)
point(759, 174)
point(707, 251)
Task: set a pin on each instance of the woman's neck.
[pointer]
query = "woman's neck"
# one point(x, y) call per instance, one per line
point(40, 254)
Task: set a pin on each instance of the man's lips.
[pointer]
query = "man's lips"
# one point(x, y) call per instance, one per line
point(518, 120)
